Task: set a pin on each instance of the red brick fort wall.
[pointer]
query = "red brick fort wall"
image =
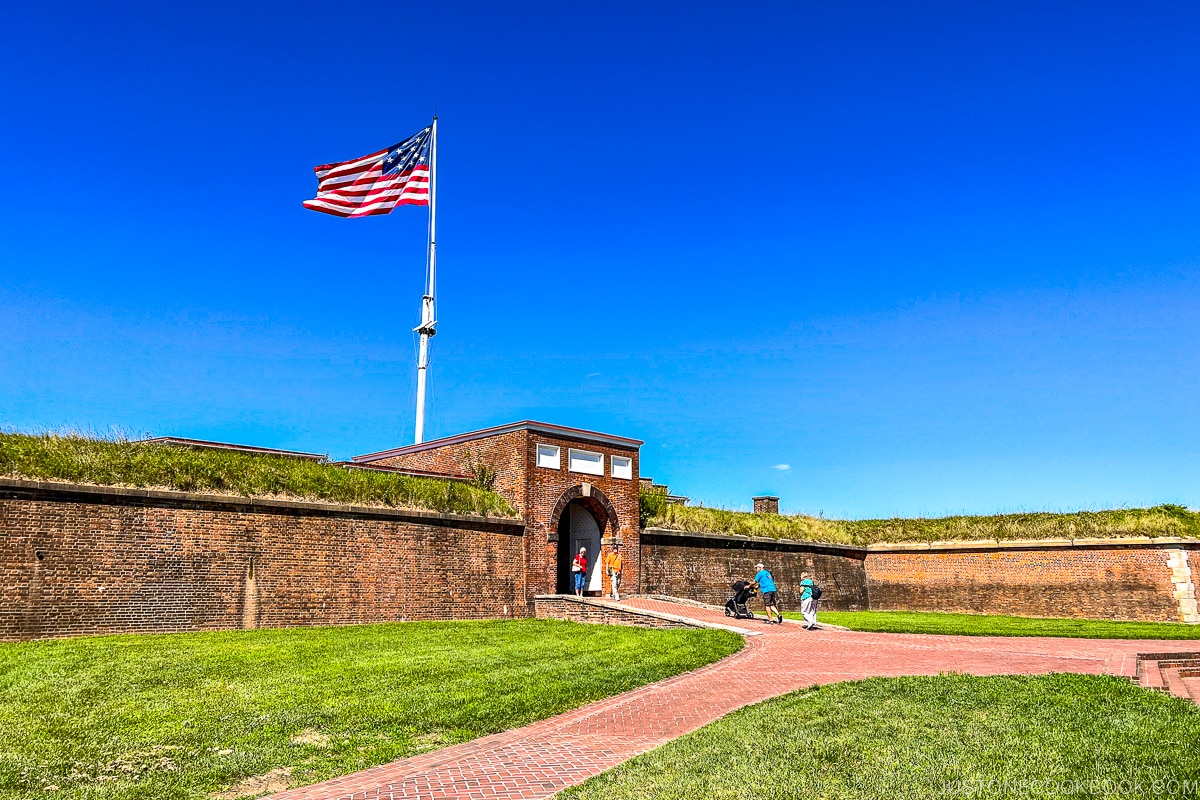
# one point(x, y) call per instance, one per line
point(1103, 582)
point(96, 560)
point(701, 568)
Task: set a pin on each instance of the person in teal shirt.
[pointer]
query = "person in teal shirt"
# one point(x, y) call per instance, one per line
point(808, 603)
point(766, 585)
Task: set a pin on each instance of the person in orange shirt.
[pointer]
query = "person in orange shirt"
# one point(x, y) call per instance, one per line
point(612, 565)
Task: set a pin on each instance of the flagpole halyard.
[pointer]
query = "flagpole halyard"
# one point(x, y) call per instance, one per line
point(428, 322)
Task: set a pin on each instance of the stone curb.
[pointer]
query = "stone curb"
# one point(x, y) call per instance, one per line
point(643, 612)
point(955, 544)
point(1032, 544)
point(757, 540)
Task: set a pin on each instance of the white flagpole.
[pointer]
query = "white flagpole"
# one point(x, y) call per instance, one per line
point(427, 318)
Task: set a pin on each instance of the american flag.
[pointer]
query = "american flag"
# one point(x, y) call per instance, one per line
point(377, 183)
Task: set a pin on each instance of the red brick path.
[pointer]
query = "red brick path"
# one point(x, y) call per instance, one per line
point(543, 758)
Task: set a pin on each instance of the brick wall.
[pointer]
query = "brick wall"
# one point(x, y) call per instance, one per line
point(702, 568)
point(88, 560)
point(85, 560)
point(1096, 582)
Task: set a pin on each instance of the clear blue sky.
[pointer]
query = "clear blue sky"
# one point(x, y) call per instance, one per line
point(934, 257)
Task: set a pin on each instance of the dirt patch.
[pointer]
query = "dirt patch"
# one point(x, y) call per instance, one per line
point(274, 781)
point(312, 737)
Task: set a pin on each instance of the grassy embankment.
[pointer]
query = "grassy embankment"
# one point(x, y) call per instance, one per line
point(116, 462)
point(995, 625)
point(951, 736)
point(1165, 520)
point(240, 712)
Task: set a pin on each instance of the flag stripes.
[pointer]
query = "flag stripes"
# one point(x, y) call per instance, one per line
point(375, 183)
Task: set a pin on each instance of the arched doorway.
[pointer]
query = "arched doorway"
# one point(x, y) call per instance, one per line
point(578, 527)
point(583, 516)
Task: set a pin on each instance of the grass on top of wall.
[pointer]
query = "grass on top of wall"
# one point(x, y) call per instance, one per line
point(1165, 520)
point(118, 462)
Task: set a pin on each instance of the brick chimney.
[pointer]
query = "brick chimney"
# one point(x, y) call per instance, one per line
point(766, 505)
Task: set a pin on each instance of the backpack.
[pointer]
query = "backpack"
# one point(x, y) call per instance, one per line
point(815, 591)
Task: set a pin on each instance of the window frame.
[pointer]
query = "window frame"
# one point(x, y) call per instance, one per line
point(571, 451)
point(612, 467)
point(537, 460)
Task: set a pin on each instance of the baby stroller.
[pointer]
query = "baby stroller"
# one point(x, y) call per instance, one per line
point(736, 606)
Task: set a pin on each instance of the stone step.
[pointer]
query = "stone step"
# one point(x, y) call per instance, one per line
point(1179, 659)
point(1150, 677)
point(1173, 673)
point(1174, 684)
point(1167, 656)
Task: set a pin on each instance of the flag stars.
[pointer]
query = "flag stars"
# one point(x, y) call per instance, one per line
point(408, 154)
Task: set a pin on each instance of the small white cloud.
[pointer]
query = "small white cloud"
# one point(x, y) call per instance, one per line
point(592, 374)
point(782, 467)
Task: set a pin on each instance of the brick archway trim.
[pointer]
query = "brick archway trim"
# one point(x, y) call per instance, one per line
point(584, 491)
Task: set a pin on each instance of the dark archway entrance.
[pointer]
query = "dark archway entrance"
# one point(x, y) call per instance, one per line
point(578, 527)
point(584, 516)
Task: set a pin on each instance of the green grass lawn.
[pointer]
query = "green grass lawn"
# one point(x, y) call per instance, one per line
point(187, 715)
point(994, 625)
point(947, 736)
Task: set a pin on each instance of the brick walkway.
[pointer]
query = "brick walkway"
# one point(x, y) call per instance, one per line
point(543, 758)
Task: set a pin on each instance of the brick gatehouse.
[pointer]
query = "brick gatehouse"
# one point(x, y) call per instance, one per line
point(572, 487)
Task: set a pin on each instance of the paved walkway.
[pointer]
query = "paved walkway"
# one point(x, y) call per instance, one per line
point(543, 758)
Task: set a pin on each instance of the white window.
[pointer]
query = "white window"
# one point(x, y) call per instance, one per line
point(585, 461)
point(548, 457)
point(622, 467)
